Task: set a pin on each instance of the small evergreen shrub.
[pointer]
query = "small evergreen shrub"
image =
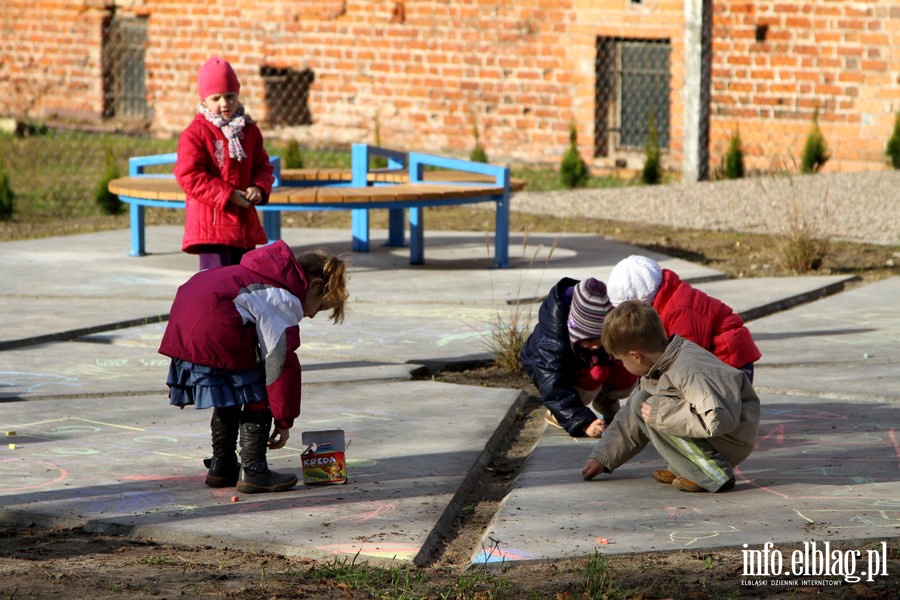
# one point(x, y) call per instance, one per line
point(478, 154)
point(7, 197)
point(893, 145)
point(573, 171)
point(815, 151)
point(109, 202)
point(292, 158)
point(652, 172)
point(378, 162)
point(734, 158)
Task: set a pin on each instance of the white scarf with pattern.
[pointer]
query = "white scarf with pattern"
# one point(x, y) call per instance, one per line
point(233, 129)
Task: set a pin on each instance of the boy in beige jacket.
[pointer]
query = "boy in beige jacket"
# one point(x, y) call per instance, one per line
point(700, 414)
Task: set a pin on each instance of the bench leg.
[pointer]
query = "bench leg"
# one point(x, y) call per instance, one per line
point(360, 226)
point(272, 224)
point(396, 226)
point(501, 233)
point(137, 229)
point(416, 235)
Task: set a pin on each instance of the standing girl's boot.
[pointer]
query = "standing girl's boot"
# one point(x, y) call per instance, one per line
point(224, 467)
point(255, 475)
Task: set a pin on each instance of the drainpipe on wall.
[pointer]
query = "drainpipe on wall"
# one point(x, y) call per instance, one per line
point(697, 64)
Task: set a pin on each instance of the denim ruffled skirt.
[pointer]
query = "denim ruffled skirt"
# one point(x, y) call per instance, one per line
point(207, 387)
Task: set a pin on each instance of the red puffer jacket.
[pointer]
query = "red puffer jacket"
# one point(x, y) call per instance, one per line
point(706, 321)
point(208, 176)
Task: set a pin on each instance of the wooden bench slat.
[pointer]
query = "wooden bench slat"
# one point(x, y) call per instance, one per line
point(394, 176)
point(159, 188)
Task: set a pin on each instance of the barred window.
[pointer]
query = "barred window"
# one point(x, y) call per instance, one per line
point(287, 95)
point(124, 87)
point(632, 85)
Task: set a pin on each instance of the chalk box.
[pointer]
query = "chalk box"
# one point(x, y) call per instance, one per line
point(323, 460)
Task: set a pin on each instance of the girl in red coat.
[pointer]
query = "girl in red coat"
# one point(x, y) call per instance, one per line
point(695, 316)
point(224, 171)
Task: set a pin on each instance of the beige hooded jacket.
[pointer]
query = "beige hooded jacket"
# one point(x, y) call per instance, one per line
point(693, 395)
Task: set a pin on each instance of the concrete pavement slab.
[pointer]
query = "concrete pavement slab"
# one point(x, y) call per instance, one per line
point(86, 281)
point(825, 466)
point(134, 465)
point(821, 470)
point(96, 407)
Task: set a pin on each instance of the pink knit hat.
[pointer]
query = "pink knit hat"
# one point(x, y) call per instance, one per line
point(217, 77)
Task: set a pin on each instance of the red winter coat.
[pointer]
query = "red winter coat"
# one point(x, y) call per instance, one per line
point(706, 321)
point(234, 317)
point(208, 176)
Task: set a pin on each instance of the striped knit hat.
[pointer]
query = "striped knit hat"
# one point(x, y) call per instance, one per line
point(589, 307)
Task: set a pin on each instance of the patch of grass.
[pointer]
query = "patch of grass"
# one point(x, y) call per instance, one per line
point(803, 247)
point(510, 331)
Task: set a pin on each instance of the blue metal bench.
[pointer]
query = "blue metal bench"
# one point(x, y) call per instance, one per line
point(367, 189)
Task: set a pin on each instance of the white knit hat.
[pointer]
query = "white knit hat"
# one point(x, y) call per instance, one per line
point(589, 307)
point(634, 278)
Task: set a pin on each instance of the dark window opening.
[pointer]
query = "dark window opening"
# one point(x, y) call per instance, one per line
point(124, 74)
point(287, 95)
point(761, 32)
point(632, 84)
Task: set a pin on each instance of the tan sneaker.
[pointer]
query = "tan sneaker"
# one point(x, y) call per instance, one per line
point(663, 476)
point(551, 420)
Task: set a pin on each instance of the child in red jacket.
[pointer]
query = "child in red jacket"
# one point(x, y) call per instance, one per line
point(224, 171)
point(232, 336)
point(685, 310)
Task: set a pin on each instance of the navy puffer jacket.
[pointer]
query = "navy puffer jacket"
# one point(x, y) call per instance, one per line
point(548, 358)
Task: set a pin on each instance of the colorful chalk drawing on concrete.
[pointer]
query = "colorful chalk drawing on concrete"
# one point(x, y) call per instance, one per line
point(851, 519)
point(687, 532)
point(829, 472)
point(28, 475)
point(498, 554)
point(386, 550)
point(22, 383)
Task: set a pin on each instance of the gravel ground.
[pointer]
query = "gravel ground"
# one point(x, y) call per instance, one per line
point(861, 207)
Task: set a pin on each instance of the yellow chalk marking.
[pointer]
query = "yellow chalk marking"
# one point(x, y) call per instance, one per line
point(12, 446)
point(10, 433)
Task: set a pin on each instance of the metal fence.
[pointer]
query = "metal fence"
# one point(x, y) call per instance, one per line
point(58, 171)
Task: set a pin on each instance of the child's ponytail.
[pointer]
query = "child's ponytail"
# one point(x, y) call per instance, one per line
point(333, 271)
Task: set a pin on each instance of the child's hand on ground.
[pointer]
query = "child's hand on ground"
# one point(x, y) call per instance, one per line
point(238, 198)
point(279, 438)
point(591, 469)
point(595, 429)
point(254, 195)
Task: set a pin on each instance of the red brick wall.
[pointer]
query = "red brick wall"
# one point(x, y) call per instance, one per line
point(523, 69)
point(828, 54)
point(50, 64)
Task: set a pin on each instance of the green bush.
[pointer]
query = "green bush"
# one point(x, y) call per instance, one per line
point(652, 172)
point(893, 145)
point(478, 154)
point(734, 158)
point(109, 203)
point(573, 171)
point(378, 162)
point(292, 158)
point(815, 151)
point(7, 197)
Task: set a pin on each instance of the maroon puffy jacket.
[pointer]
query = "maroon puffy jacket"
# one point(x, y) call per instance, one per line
point(235, 317)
